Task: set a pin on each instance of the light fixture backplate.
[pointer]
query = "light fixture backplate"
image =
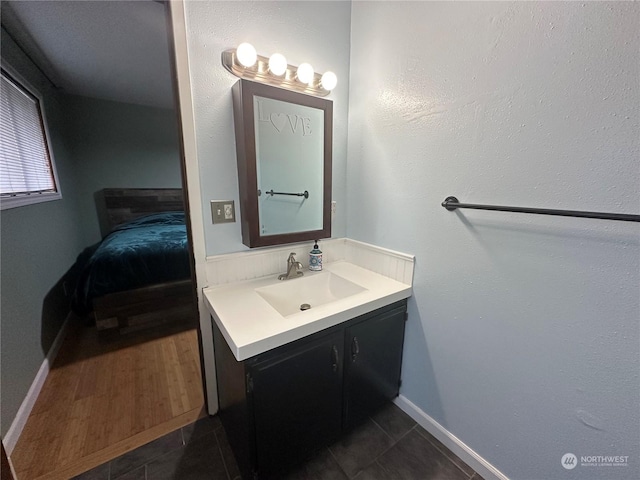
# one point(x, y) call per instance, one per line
point(259, 72)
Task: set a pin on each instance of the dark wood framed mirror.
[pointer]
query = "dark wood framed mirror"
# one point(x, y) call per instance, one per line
point(283, 144)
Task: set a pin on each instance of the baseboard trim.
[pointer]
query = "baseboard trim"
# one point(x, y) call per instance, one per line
point(449, 440)
point(15, 430)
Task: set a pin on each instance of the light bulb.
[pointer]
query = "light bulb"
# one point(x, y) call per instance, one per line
point(277, 64)
point(246, 54)
point(305, 73)
point(329, 80)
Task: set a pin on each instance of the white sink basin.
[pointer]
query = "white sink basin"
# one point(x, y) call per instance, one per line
point(314, 290)
point(258, 315)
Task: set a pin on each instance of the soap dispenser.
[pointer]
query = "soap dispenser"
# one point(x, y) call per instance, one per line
point(315, 258)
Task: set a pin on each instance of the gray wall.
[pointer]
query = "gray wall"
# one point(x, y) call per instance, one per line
point(522, 338)
point(120, 145)
point(32, 310)
point(314, 32)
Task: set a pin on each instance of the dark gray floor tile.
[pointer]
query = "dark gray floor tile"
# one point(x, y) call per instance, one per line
point(394, 421)
point(373, 472)
point(101, 472)
point(144, 454)
point(452, 456)
point(166, 466)
point(414, 457)
point(367, 453)
point(227, 454)
point(200, 427)
point(199, 459)
point(321, 466)
point(360, 448)
point(137, 474)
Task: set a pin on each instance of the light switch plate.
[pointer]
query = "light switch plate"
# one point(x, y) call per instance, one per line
point(223, 211)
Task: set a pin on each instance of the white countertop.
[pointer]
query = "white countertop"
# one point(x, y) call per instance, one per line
point(252, 326)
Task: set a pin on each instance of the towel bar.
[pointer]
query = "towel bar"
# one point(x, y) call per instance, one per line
point(451, 203)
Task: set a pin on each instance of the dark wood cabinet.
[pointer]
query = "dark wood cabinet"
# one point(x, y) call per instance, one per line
point(372, 366)
point(280, 406)
point(297, 401)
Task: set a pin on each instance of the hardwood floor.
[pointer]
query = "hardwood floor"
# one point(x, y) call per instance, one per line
point(104, 397)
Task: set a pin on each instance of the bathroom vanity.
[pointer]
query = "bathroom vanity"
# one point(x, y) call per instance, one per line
point(291, 381)
point(278, 407)
point(301, 357)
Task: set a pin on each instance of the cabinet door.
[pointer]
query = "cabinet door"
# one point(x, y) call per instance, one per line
point(373, 351)
point(297, 401)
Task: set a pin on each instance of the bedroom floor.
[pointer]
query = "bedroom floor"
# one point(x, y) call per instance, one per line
point(103, 398)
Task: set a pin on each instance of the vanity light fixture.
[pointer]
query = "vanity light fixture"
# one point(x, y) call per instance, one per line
point(329, 80)
point(277, 64)
point(244, 62)
point(305, 73)
point(246, 55)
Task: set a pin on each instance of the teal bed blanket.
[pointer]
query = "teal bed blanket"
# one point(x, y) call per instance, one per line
point(139, 253)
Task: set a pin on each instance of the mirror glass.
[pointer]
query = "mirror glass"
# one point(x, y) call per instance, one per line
point(283, 146)
point(289, 166)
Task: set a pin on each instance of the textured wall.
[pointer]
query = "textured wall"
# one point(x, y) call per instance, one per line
point(523, 332)
point(314, 32)
point(119, 145)
point(31, 308)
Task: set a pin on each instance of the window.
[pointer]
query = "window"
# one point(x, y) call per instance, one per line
point(27, 172)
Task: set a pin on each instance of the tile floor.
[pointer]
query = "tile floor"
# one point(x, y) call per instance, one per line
point(389, 445)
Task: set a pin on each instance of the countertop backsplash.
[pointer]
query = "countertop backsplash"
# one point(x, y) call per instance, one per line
point(240, 266)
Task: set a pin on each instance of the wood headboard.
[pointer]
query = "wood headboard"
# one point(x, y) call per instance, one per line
point(118, 205)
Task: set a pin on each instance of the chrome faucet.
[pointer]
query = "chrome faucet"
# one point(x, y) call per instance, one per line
point(294, 268)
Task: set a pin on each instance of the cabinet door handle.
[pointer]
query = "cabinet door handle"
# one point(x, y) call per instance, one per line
point(335, 358)
point(355, 349)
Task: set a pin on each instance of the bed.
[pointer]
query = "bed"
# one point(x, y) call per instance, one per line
point(139, 275)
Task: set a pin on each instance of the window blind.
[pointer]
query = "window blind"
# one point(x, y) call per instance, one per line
point(25, 163)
